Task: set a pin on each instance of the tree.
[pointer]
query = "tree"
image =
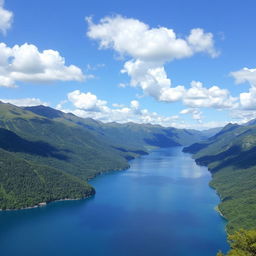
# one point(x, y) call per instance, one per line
point(242, 243)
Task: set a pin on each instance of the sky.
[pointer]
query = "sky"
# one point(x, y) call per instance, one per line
point(181, 63)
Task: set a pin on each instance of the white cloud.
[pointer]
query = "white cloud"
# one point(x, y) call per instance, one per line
point(88, 105)
point(135, 104)
point(27, 64)
point(149, 50)
point(196, 113)
point(245, 75)
point(153, 80)
point(6, 18)
point(172, 94)
point(245, 108)
point(25, 102)
point(214, 97)
point(186, 111)
point(202, 42)
point(134, 38)
point(247, 99)
point(132, 113)
point(6, 81)
point(243, 115)
point(145, 52)
point(86, 101)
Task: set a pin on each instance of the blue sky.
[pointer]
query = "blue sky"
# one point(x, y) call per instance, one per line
point(184, 63)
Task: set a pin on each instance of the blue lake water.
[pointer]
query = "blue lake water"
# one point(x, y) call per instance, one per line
point(162, 205)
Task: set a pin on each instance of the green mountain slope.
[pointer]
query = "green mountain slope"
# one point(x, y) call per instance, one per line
point(140, 135)
point(24, 184)
point(76, 150)
point(48, 155)
point(231, 157)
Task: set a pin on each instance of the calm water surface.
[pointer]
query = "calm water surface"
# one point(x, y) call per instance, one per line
point(162, 206)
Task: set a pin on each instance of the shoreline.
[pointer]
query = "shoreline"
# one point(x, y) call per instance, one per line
point(43, 204)
point(217, 209)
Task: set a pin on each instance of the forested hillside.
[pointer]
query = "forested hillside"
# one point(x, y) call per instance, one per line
point(230, 156)
point(25, 184)
point(48, 155)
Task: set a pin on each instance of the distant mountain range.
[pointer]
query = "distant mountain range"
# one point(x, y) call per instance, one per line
point(47, 155)
point(231, 157)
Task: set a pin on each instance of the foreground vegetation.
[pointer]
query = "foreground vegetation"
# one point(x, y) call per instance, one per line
point(242, 243)
point(237, 188)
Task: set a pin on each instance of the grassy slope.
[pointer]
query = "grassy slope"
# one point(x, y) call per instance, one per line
point(230, 156)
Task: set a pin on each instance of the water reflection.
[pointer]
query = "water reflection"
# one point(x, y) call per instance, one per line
point(160, 204)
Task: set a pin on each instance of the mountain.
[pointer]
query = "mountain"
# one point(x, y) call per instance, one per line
point(140, 135)
point(210, 132)
point(48, 155)
point(76, 150)
point(231, 157)
point(251, 122)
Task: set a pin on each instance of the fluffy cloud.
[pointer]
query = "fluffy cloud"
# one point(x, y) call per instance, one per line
point(149, 49)
point(243, 115)
point(146, 51)
point(27, 64)
point(245, 75)
point(196, 113)
point(136, 39)
point(202, 42)
point(153, 80)
point(214, 97)
point(25, 102)
point(245, 108)
point(88, 105)
point(86, 101)
point(133, 113)
point(6, 18)
point(247, 99)
point(135, 104)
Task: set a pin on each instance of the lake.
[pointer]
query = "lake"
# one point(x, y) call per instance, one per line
point(162, 205)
